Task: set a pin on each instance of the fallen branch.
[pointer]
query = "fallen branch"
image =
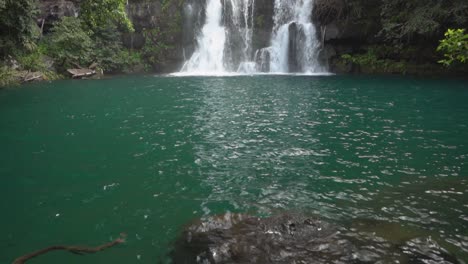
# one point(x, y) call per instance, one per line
point(31, 76)
point(78, 73)
point(80, 250)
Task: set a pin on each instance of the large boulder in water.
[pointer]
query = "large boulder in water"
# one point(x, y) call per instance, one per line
point(298, 238)
point(285, 238)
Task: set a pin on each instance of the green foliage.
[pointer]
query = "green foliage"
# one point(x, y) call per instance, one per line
point(107, 47)
point(454, 46)
point(130, 61)
point(38, 61)
point(69, 43)
point(372, 62)
point(167, 3)
point(100, 13)
point(102, 19)
point(403, 20)
point(109, 52)
point(154, 48)
point(159, 40)
point(32, 60)
point(7, 77)
point(70, 46)
point(18, 29)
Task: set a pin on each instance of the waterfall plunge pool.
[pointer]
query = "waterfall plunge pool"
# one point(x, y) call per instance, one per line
point(82, 161)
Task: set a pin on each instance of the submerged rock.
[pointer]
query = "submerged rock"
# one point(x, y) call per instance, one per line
point(295, 238)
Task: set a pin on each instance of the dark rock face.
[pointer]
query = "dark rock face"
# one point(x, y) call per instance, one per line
point(294, 33)
point(297, 238)
point(263, 23)
point(296, 38)
point(144, 14)
point(193, 20)
point(149, 15)
point(345, 31)
point(53, 10)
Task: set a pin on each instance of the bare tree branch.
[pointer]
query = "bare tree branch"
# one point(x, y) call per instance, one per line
point(79, 250)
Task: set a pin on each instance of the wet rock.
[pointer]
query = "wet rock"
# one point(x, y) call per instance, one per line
point(292, 47)
point(285, 238)
point(421, 250)
point(193, 20)
point(298, 238)
point(263, 23)
point(295, 42)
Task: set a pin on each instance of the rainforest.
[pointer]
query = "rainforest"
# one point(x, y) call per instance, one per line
point(42, 39)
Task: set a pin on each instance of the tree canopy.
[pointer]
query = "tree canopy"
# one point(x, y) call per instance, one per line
point(17, 25)
point(99, 13)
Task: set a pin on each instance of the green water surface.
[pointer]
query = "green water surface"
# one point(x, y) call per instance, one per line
point(82, 161)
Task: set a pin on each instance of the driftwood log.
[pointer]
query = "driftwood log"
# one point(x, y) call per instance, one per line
point(31, 76)
point(80, 250)
point(79, 73)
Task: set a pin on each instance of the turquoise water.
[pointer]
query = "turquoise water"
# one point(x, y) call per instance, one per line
point(82, 161)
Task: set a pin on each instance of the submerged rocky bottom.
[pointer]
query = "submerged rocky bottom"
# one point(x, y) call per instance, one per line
point(299, 238)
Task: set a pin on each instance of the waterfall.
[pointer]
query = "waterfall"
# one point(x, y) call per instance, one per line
point(225, 43)
point(243, 20)
point(294, 44)
point(208, 56)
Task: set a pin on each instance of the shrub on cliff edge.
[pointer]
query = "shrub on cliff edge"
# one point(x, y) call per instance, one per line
point(454, 46)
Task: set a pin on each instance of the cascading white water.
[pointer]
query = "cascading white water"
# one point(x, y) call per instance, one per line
point(226, 45)
point(243, 17)
point(208, 57)
point(297, 14)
